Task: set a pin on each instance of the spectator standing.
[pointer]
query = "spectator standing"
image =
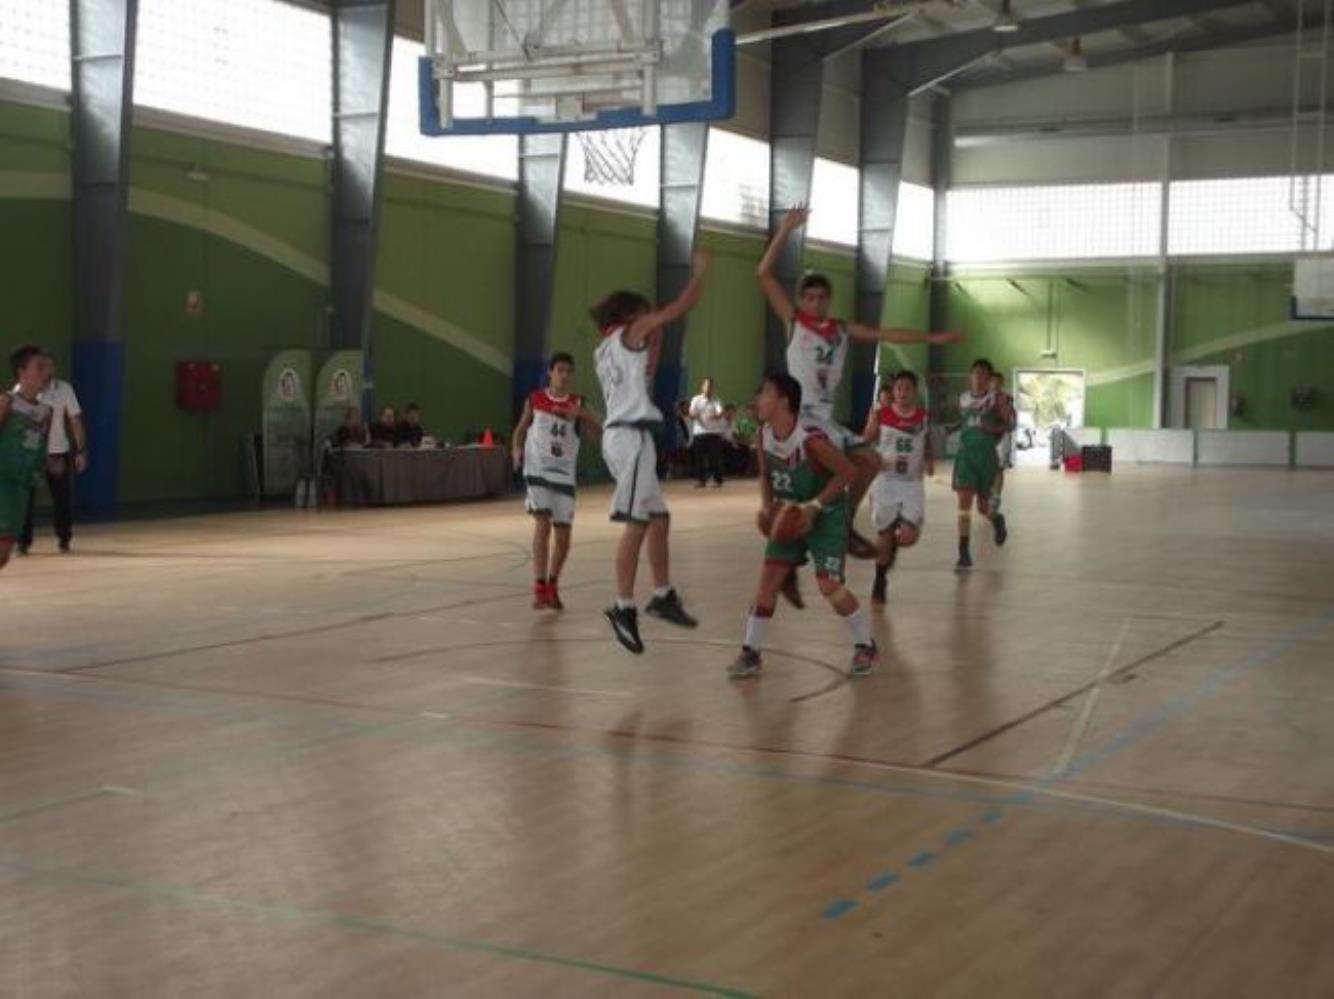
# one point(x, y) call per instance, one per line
point(66, 457)
point(706, 435)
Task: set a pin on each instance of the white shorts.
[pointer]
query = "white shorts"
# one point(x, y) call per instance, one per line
point(632, 458)
point(897, 499)
point(840, 436)
point(543, 500)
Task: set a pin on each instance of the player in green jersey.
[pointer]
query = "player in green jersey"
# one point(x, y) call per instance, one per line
point(987, 417)
point(799, 464)
point(24, 423)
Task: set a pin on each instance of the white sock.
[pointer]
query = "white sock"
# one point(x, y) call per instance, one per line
point(757, 627)
point(661, 591)
point(859, 626)
point(625, 603)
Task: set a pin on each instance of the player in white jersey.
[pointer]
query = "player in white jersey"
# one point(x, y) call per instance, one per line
point(817, 351)
point(546, 447)
point(626, 360)
point(898, 428)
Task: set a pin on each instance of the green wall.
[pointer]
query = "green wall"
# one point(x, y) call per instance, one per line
point(1238, 316)
point(1101, 322)
point(1105, 322)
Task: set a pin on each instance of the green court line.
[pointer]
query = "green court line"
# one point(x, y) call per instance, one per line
point(363, 924)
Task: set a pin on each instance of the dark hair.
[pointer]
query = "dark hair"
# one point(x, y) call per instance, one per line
point(617, 308)
point(788, 387)
point(815, 281)
point(412, 407)
point(998, 374)
point(22, 357)
point(560, 357)
point(905, 375)
point(985, 365)
point(731, 406)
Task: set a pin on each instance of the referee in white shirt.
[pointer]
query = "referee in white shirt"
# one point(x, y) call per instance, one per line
point(63, 462)
point(706, 434)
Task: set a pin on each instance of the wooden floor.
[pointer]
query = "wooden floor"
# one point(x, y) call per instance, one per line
point(336, 754)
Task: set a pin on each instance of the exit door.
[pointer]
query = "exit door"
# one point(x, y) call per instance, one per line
point(1202, 403)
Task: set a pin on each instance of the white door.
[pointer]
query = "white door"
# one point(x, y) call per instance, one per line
point(1202, 403)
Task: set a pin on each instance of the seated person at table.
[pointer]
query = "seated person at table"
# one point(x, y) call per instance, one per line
point(410, 431)
point(350, 432)
point(384, 431)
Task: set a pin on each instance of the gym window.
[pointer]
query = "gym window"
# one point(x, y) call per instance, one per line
point(835, 194)
point(489, 155)
point(1070, 221)
point(258, 64)
point(736, 180)
point(1250, 215)
point(915, 223)
point(34, 42)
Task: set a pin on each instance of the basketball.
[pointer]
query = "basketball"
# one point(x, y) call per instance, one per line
point(788, 524)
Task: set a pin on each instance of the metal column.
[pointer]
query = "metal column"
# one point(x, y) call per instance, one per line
point(794, 115)
point(363, 34)
point(884, 130)
point(102, 36)
point(684, 147)
point(942, 152)
point(541, 167)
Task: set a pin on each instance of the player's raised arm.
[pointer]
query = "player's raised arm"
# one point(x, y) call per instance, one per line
point(521, 434)
point(649, 323)
point(874, 334)
point(779, 300)
point(872, 429)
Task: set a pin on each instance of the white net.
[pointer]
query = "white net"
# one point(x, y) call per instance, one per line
point(610, 155)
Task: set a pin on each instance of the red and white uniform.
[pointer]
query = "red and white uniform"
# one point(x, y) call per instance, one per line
point(817, 352)
point(898, 491)
point(551, 455)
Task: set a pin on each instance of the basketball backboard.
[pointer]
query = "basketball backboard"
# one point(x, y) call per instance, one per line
point(516, 66)
point(1313, 288)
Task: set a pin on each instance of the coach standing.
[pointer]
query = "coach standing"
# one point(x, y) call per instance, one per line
point(706, 434)
point(63, 462)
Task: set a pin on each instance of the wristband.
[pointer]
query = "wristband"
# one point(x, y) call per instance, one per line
point(819, 507)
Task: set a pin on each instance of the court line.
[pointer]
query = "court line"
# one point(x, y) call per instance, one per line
point(362, 924)
point(301, 632)
point(487, 682)
point(1057, 702)
point(1086, 710)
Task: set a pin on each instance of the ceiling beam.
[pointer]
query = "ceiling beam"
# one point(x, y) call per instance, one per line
point(1197, 43)
point(935, 60)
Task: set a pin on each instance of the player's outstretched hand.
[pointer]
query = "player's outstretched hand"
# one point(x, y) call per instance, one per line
point(795, 218)
point(945, 336)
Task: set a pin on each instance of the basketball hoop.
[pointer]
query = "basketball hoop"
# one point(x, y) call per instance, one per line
point(610, 154)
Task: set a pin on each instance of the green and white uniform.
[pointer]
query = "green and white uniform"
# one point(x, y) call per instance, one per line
point(976, 464)
point(796, 477)
point(22, 457)
point(817, 352)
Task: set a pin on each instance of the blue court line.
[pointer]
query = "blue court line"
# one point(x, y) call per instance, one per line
point(1150, 722)
point(363, 924)
point(882, 881)
point(839, 907)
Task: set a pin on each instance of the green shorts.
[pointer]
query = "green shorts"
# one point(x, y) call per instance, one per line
point(14, 497)
point(827, 545)
point(975, 468)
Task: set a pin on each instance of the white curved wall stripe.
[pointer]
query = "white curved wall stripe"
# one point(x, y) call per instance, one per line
point(18, 184)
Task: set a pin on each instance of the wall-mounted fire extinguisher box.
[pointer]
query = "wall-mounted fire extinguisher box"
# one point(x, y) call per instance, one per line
point(198, 386)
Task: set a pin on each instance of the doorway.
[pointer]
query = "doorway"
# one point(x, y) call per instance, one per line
point(1200, 396)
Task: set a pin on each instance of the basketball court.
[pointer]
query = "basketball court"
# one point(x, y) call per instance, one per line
point(339, 754)
point(373, 277)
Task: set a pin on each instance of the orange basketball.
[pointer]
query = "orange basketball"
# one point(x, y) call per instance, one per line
point(788, 525)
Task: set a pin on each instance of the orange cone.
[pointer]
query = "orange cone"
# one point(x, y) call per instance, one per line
point(488, 438)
